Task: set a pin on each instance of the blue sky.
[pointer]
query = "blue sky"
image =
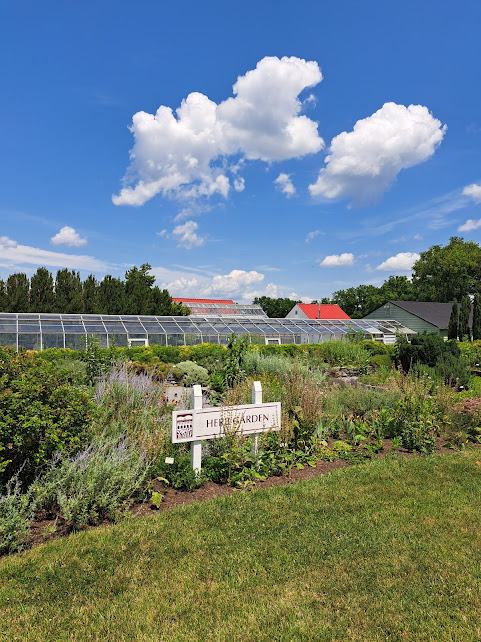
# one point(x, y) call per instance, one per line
point(298, 149)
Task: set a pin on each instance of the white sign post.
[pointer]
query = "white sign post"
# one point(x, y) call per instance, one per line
point(210, 423)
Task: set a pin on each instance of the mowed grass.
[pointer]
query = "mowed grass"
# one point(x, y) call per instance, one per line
point(386, 551)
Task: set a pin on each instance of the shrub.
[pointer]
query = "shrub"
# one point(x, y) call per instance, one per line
point(190, 374)
point(40, 413)
point(381, 361)
point(135, 404)
point(16, 512)
point(97, 482)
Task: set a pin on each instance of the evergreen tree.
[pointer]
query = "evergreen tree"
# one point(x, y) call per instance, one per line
point(453, 321)
point(90, 295)
point(17, 293)
point(138, 290)
point(477, 317)
point(42, 297)
point(68, 292)
point(3, 296)
point(111, 296)
point(464, 313)
point(161, 304)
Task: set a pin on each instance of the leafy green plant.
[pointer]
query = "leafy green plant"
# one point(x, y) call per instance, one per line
point(16, 512)
point(40, 413)
point(97, 482)
point(190, 374)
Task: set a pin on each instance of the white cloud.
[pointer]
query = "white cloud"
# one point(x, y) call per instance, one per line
point(336, 260)
point(284, 183)
point(473, 191)
point(312, 235)
point(402, 261)
point(68, 236)
point(13, 255)
point(470, 225)
point(186, 235)
point(239, 184)
point(175, 154)
point(162, 233)
point(417, 237)
point(364, 162)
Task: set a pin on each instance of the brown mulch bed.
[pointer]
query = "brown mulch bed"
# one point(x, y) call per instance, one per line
point(47, 527)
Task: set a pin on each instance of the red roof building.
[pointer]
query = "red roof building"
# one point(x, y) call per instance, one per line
point(187, 301)
point(317, 311)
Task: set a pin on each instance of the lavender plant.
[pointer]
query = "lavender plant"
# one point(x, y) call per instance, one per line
point(98, 482)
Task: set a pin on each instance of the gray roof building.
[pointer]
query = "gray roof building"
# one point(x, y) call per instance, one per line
point(420, 316)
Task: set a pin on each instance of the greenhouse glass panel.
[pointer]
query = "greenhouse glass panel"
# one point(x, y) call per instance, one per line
point(236, 328)
point(152, 326)
point(94, 328)
point(257, 339)
point(52, 340)
point(188, 328)
point(175, 339)
point(76, 341)
point(157, 339)
point(135, 328)
point(51, 326)
point(8, 339)
point(73, 327)
point(119, 340)
point(11, 316)
point(114, 328)
point(70, 317)
point(222, 328)
point(224, 339)
point(210, 338)
point(137, 335)
point(192, 339)
point(29, 341)
point(205, 328)
point(28, 317)
point(8, 327)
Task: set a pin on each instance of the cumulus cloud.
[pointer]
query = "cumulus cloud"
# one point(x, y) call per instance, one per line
point(336, 260)
point(13, 255)
point(176, 154)
point(187, 236)
point(403, 261)
point(470, 225)
point(239, 184)
point(473, 191)
point(312, 235)
point(363, 163)
point(68, 236)
point(284, 183)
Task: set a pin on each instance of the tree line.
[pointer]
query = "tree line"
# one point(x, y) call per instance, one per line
point(68, 294)
point(442, 274)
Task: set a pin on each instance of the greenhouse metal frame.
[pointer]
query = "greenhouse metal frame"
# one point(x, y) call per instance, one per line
point(41, 331)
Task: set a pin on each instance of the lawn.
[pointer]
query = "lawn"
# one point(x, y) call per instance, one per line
point(389, 550)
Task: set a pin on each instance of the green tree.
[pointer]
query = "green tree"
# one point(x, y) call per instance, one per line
point(90, 295)
point(68, 292)
point(446, 273)
point(111, 296)
point(453, 321)
point(3, 296)
point(477, 317)
point(138, 289)
point(464, 313)
point(357, 302)
point(17, 293)
point(275, 308)
point(161, 304)
point(42, 297)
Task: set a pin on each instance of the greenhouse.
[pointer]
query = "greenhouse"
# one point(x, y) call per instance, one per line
point(41, 331)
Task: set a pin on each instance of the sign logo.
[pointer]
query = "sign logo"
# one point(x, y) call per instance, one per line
point(184, 426)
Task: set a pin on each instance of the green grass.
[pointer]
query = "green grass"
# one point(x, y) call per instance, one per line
point(386, 551)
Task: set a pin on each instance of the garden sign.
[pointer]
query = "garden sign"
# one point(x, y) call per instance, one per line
point(209, 423)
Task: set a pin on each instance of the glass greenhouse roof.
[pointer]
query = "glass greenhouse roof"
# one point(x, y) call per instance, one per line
point(144, 326)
